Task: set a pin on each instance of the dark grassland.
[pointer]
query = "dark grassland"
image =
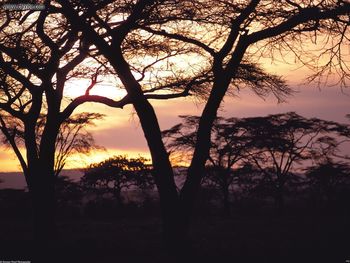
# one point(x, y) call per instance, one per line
point(296, 236)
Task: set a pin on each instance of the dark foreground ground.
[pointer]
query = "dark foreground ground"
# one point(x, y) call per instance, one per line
point(288, 238)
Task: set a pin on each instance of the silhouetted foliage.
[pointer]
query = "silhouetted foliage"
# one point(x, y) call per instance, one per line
point(39, 53)
point(73, 137)
point(229, 146)
point(115, 175)
point(67, 191)
point(327, 179)
point(281, 142)
point(260, 155)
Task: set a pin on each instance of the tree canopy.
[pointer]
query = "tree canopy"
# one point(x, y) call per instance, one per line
point(269, 149)
point(117, 174)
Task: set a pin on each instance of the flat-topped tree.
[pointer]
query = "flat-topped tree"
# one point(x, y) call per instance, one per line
point(226, 37)
point(267, 151)
point(327, 179)
point(115, 175)
point(281, 143)
point(229, 148)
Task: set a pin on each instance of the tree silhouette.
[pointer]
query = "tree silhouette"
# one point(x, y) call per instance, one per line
point(228, 149)
point(263, 150)
point(225, 37)
point(328, 147)
point(116, 174)
point(68, 194)
point(40, 52)
point(328, 177)
point(73, 138)
point(281, 142)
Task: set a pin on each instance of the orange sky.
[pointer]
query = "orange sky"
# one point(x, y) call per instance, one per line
point(120, 132)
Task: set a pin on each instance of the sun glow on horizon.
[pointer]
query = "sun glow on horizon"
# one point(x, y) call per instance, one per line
point(79, 161)
point(107, 89)
point(9, 162)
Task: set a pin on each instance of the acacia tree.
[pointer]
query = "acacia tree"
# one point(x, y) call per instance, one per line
point(228, 149)
point(271, 146)
point(328, 148)
point(39, 53)
point(330, 170)
point(227, 36)
point(68, 194)
point(327, 177)
point(116, 174)
point(281, 142)
point(73, 138)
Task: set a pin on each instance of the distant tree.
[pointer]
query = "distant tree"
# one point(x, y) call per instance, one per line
point(259, 153)
point(327, 148)
point(328, 177)
point(68, 192)
point(229, 145)
point(281, 142)
point(116, 174)
point(248, 180)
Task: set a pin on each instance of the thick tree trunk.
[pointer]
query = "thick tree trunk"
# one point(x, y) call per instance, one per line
point(42, 191)
point(163, 173)
point(222, 79)
point(43, 213)
point(197, 168)
point(173, 236)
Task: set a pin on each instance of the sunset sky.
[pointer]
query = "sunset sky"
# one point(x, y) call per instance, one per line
point(120, 131)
